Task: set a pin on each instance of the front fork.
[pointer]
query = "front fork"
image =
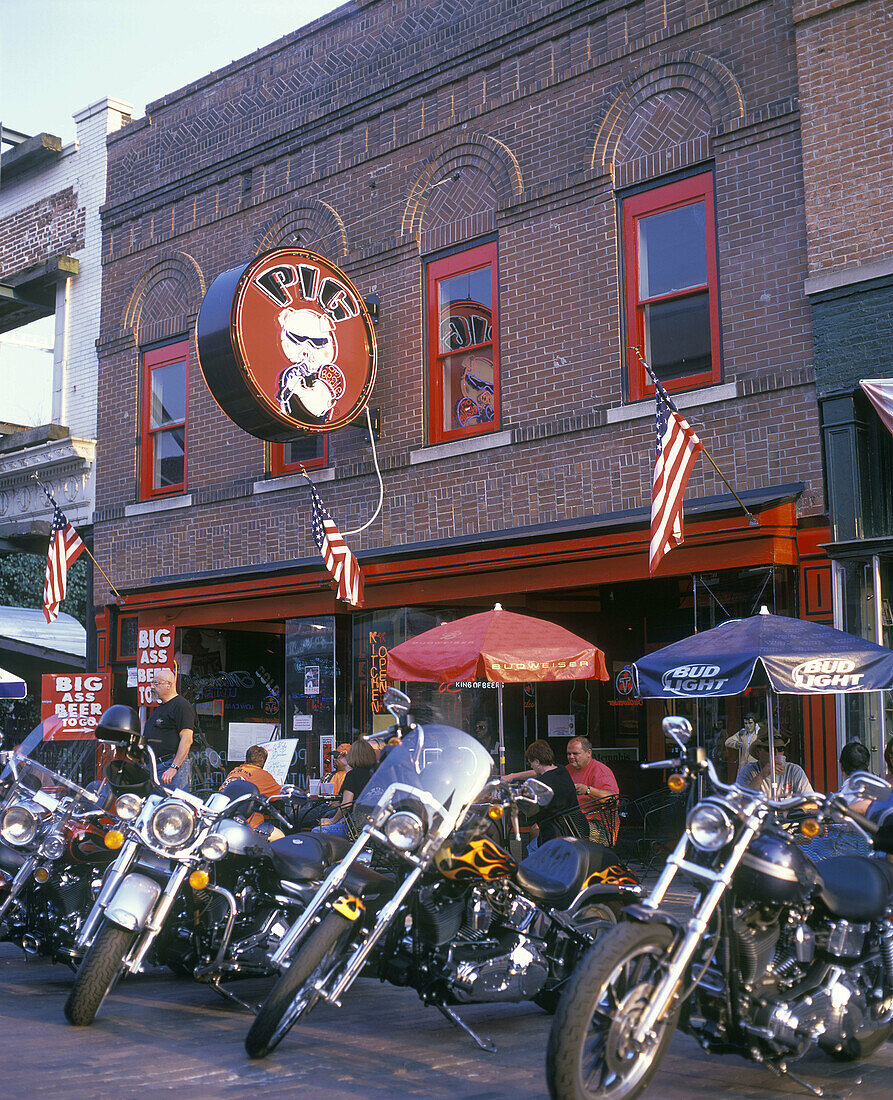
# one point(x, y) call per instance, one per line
point(113, 877)
point(157, 918)
point(697, 925)
point(15, 887)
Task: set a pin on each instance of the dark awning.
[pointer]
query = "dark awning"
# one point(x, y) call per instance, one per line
point(28, 295)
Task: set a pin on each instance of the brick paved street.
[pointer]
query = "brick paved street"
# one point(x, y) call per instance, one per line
point(158, 1034)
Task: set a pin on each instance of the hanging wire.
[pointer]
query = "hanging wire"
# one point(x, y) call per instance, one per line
point(716, 598)
point(368, 523)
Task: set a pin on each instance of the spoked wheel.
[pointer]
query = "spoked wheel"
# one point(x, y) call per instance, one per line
point(592, 1053)
point(293, 996)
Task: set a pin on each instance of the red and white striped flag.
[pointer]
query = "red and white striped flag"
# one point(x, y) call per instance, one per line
point(339, 561)
point(880, 394)
point(677, 450)
point(65, 549)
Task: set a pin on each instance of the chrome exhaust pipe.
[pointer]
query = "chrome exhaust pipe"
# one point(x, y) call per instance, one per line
point(31, 944)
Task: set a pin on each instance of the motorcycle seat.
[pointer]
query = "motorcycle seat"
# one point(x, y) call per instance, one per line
point(306, 855)
point(853, 887)
point(554, 872)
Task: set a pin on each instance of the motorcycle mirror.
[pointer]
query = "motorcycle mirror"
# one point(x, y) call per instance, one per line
point(396, 703)
point(678, 728)
point(868, 785)
point(537, 792)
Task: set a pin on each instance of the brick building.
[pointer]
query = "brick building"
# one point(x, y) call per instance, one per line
point(526, 190)
point(843, 58)
point(51, 267)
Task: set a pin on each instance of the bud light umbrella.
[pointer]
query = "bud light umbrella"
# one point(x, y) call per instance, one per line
point(498, 646)
point(798, 657)
point(12, 687)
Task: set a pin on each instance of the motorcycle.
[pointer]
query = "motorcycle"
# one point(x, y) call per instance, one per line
point(52, 853)
point(780, 954)
point(443, 908)
point(193, 886)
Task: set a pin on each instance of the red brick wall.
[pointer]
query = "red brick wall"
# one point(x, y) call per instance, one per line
point(52, 226)
point(362, 111)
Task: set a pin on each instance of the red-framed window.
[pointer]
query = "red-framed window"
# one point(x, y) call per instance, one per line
point(310, 451)
point(163, 436)
point(463, 344)
point(671, 285)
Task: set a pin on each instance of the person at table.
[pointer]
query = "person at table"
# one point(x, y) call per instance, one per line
point(790, 779)
point(339, 768)
point(253, 771)
point(562, 816)
point(360, 761)
point(592, 780)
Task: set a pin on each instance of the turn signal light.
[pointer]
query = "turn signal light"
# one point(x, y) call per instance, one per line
point(114, 838)
point(810, 828)
point(495, 812)
point(676, 783)
point(198, 880)
point(41, 874)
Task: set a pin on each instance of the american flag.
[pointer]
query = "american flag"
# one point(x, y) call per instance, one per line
point(339, 561)
point(677, 449)
point(65, 549)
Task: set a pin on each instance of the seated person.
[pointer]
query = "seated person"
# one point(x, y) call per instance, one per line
point(361, 760)
point(562, 817)
point(252, 771)
point(339, 768)
point(790, 779)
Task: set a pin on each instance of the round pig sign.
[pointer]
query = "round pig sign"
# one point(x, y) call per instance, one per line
point(286, 345)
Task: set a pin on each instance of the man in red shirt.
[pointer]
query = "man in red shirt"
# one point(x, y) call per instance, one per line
point(592, 780)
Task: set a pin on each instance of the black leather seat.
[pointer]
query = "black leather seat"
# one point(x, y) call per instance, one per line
point(555, 871)
point(853, 887)
point(306, 855)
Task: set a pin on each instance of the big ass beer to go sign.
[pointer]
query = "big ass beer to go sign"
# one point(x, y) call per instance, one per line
point(155, 650)
point(71, 704)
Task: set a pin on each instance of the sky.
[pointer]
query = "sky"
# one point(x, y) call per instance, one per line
point(59, 56)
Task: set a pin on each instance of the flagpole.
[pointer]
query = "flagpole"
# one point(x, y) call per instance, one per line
point(49, 497)
point(751, 518)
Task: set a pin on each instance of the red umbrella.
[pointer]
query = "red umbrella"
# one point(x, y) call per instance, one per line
point(498, 646)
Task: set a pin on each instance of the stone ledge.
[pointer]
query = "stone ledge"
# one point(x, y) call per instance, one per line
point(291, 481)
point(163, 504)
point(709, 395)
point(470, 445)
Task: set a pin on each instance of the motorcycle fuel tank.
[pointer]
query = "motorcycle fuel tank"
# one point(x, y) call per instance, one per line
point(241, 838)
point(773, 869)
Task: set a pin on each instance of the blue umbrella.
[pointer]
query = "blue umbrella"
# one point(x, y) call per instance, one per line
point(798, 657)
point(11, 687)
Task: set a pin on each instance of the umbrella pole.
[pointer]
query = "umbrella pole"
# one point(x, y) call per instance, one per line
point(501, 762)
point(771, 726)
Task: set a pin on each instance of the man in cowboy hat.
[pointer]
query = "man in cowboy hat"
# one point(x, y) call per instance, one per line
point(790, 779)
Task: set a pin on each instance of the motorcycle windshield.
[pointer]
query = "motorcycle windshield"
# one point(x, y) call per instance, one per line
point(444, 763)
point(44, 772)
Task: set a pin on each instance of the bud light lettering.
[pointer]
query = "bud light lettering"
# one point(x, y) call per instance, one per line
point(827, 672)
point(694, 680)
point(333, 296)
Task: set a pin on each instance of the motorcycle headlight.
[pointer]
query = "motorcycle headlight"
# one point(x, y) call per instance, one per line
point(172, 824)
point(52, 847)
point(709, 827)
point(128, 806)
point(214, 847)
point(404, 830)
point(18, 827)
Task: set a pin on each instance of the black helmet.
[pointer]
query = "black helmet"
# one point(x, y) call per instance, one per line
point(119, 724)
point(235, 788)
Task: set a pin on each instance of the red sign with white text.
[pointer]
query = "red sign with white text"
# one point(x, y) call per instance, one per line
point(71, 704)
point(154, 651)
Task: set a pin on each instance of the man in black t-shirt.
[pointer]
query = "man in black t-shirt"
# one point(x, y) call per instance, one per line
point(169, 730)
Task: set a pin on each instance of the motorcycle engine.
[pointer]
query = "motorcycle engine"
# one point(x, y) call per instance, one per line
point(828, 1015)
point(517, 973)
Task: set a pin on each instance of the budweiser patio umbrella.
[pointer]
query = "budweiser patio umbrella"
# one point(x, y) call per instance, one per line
point(498, 646)
point(12, 687)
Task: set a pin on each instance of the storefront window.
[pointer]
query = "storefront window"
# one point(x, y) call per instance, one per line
point(310, 699)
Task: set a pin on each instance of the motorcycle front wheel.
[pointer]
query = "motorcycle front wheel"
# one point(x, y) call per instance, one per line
point(293, 995)
point(98, 973)
point(591, 1055)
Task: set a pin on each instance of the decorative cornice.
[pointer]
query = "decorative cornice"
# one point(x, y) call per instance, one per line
point(65, 466)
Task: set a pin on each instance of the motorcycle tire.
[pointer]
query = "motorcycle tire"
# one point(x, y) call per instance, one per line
point(286, 1004)
point(598, 1013)
point(98, 973)
point(604, 913)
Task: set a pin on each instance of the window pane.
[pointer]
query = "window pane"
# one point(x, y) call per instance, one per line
point(169, 458)
point(468, 390)
point(464, 306)
point(168, 395)
point(672, 251)
point(303, 450)
point(677, 336)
